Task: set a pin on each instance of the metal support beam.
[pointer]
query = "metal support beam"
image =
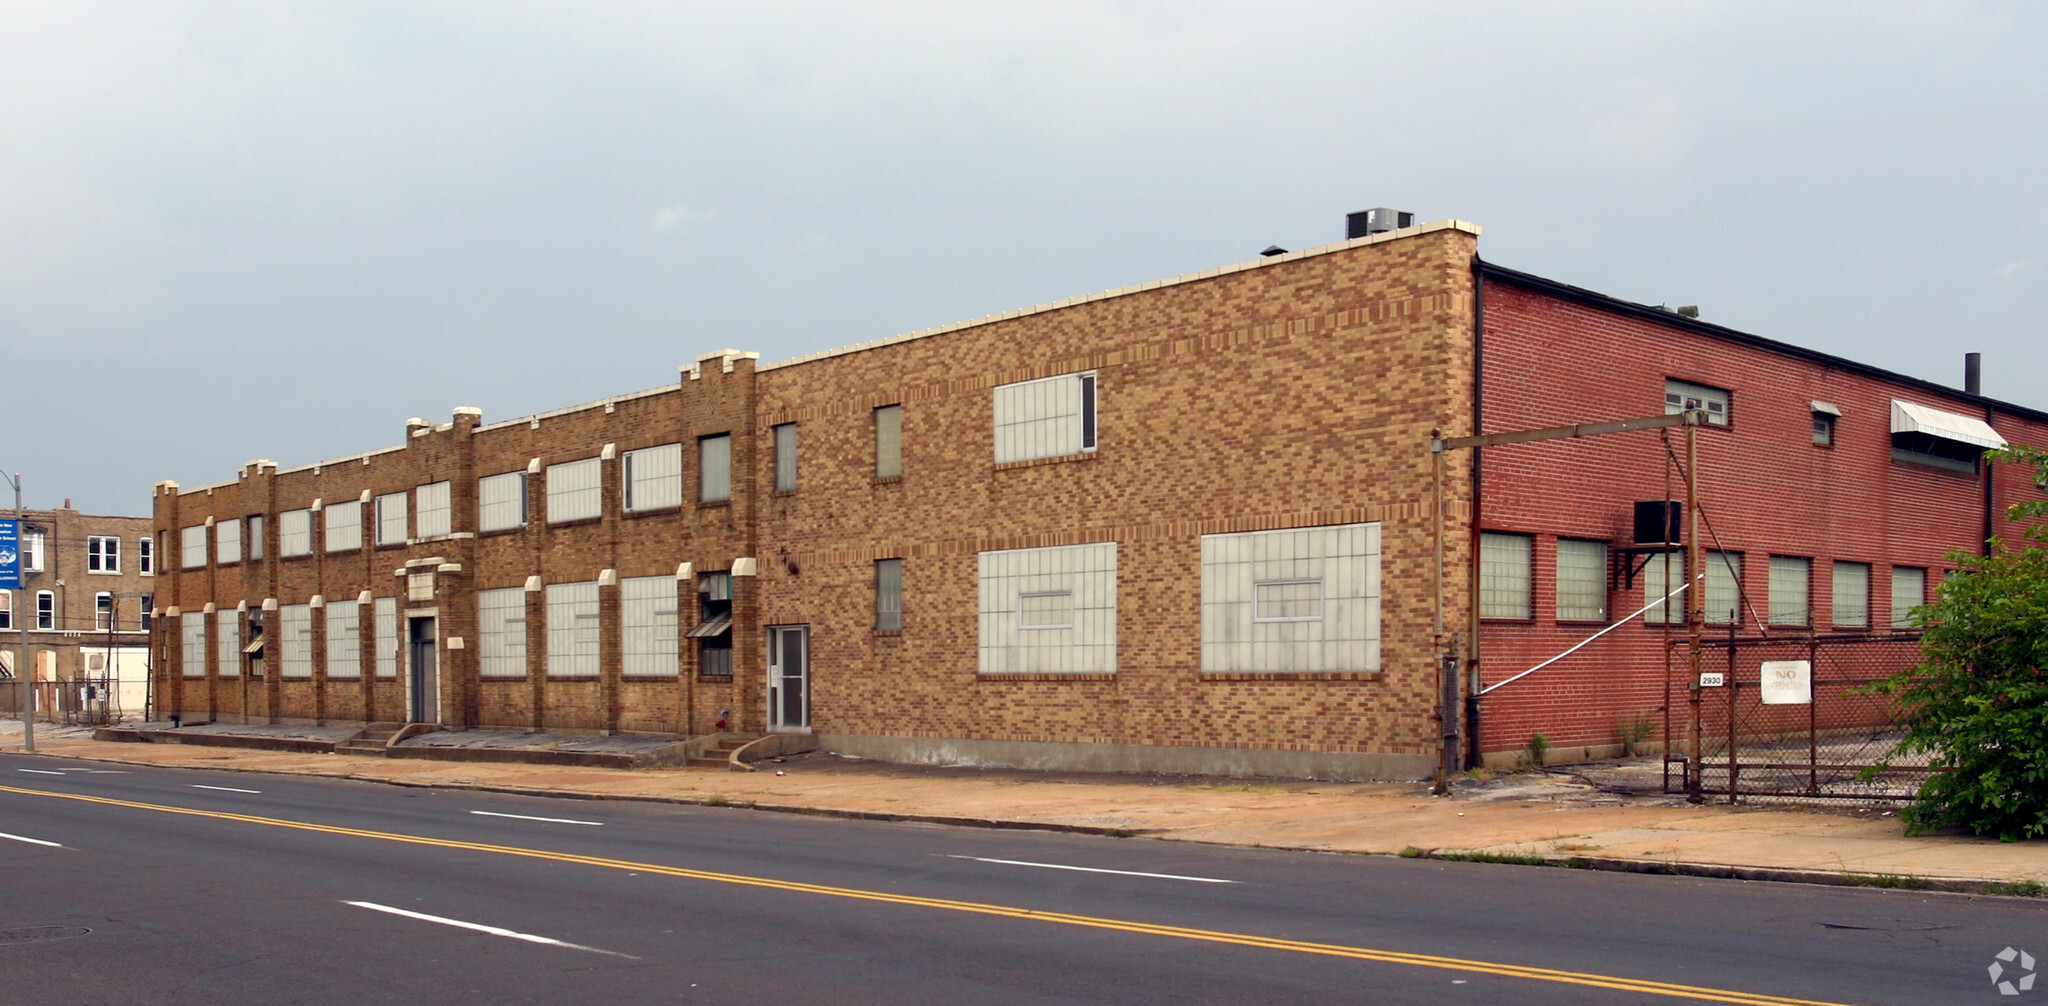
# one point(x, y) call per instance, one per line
point(1562, 432)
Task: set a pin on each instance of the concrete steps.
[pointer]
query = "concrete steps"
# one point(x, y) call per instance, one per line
point(373, 741)
point(720, 755)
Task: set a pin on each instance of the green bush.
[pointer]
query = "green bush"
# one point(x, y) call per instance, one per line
point(1978, 705)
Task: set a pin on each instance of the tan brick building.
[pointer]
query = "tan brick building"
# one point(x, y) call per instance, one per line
point(1181, 526)
point(86, 594)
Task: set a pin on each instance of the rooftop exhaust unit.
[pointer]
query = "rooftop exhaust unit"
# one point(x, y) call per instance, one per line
point(1377, 220)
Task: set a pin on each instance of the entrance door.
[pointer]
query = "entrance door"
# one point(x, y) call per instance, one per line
point(789, 678)
point(426, 697)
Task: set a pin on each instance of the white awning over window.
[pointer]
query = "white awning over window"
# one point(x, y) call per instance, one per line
point(1910, 418)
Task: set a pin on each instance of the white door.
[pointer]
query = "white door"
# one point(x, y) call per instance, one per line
point(789, 679)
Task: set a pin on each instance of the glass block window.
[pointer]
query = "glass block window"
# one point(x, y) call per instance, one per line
point(192, 546)
point(344, 526)
point(1504, 575)
point(889, 442)
point(295, 640)
point(653, 477)
point(391, 529)
point(572, 630)
point(385, 612)
point(227, 541)
point(1682, 395)
point(785, 458)
point(648, 632)
point(1724, 576)
point(192, 644)
point(574, 491)
point(344, 639)
point(888, 594)
point(1791, 590)
point(433, 511)
point(1303, 599)
point(1049, 610)
point(227, 642)
point(1909, 591)
point(1581, 580)
point(295, 533)
point(255, 536)
point(501, 501)
point(501, 632)
point(1850, 595)
point(714, 470)
point(1046, 418)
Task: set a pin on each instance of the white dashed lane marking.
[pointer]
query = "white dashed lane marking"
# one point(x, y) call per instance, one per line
point(527, 817)
point(1096, 869)
point(478, 927)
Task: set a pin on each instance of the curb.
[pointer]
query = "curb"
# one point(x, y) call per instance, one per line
point(1710, 871)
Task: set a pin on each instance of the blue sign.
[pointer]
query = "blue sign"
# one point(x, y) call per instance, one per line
point(10, 555)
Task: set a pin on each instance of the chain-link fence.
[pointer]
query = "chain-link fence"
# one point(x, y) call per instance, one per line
point(1794, 717)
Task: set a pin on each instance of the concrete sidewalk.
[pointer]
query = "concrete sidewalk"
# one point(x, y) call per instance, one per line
point(1529, 817)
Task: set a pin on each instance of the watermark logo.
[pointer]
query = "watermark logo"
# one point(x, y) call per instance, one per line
point(2024, 973)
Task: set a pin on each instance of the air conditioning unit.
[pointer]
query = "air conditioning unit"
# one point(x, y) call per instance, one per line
point(1657, 525)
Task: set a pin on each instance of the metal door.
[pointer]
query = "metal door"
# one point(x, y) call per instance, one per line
point(789, 678)
point(425, 681)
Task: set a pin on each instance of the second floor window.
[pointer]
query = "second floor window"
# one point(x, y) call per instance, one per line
point(1047, 418)
point(102, 554)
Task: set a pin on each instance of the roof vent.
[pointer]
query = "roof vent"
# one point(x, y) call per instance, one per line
point(1272, 250)
point(1377, 220)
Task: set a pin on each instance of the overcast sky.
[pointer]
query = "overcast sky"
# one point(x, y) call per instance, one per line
point(231, 231)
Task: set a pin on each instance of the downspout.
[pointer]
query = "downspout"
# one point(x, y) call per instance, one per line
point(1973, 385)
point(1472, 529)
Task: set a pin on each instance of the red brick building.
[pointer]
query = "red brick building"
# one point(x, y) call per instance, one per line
point(1185, 526)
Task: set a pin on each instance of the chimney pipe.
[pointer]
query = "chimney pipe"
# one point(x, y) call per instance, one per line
point(1973, 373)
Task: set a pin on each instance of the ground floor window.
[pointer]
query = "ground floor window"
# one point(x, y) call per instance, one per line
point(1303, 600)
point(1049, 610)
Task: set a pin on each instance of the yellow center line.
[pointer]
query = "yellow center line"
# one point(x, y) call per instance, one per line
point(980, 908)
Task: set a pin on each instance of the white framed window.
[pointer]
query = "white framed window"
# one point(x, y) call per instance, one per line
point(344, 639)
point(1581, 580)
point(1298, 600)
point(1791, 590)
point(102, 554)
point(148, 600)
point(145, 556)
point(1504, 575)
point(1909, 591)
point(46, 609)
point(295, 533)
point(501, 501)
point(1849, 596)
point(575, 490)
point(888, 595)
point(32, 550)
point(391, 524)
point(385, 612)
point(1047, 418)
point(1049, 610)
point(1724, 593)
point(227, 541)
point(714, 468)
point(653, 478)
point(785, 458)
point(103, 611)
point(192, 644)
point(501, 632)
point(889, 442)
point(255, 536)
point(572, 630)
point(432, 510)
point(192, 546)
point(227, 642)
point(295, 640)
point(648, 634)
point(1682, 395)
point(6, 609)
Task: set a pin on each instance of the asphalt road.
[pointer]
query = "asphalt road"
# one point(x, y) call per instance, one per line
point(123, 884)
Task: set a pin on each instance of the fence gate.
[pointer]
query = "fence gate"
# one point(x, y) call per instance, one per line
point(1793, 716)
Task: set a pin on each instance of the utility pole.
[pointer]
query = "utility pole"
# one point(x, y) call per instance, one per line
point(21, 668)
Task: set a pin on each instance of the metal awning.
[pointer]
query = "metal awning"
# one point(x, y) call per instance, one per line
point(717, 625)
point(1910, 418)
point(255, 646)
point(1827, 407)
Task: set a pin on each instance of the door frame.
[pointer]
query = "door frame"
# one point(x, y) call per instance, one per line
point(413, 676)
point(777, 653)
